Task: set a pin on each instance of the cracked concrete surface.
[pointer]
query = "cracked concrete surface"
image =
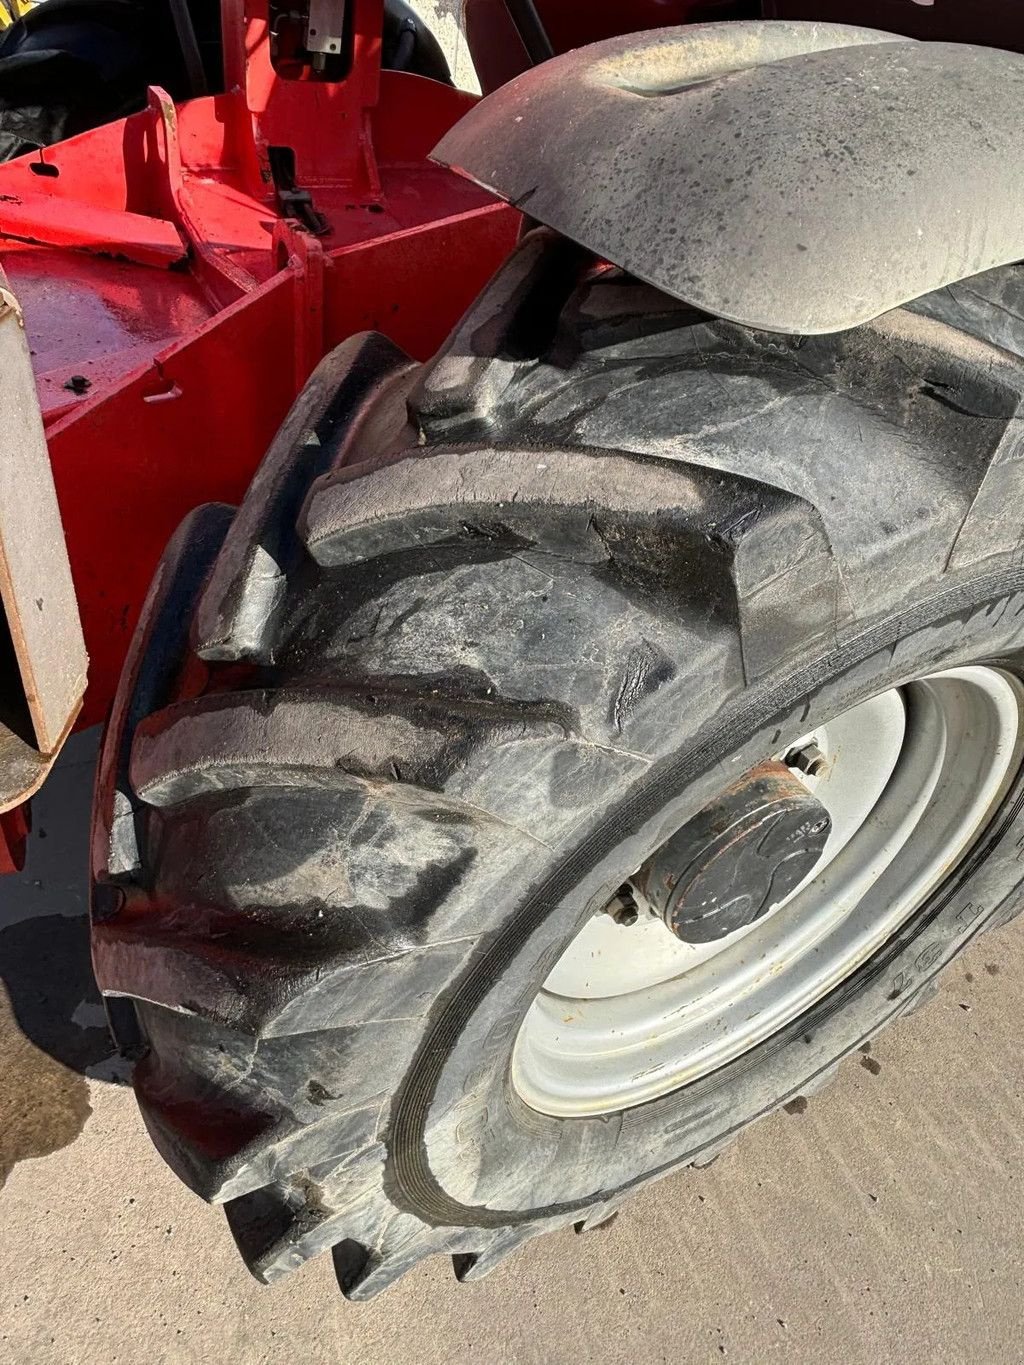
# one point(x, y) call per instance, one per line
point(880, 1220)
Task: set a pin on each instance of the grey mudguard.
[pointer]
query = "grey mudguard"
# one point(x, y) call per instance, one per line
point(796, 177)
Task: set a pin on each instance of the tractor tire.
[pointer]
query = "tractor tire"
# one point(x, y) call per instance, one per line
point(482, 636)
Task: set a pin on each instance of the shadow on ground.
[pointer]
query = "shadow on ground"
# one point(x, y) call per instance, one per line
point(52, 1028)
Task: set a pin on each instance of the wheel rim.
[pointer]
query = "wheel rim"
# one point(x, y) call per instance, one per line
point(910, 780)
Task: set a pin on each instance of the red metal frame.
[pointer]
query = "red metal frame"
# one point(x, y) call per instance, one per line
point(174, 313)
point(14, 828)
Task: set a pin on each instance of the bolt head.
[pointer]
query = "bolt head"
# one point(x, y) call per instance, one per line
point(623, 907)
point(807, 759)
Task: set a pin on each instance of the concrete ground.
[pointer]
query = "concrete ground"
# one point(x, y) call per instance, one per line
point(882, 1222)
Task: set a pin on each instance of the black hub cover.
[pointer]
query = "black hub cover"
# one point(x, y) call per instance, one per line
point(737, 857)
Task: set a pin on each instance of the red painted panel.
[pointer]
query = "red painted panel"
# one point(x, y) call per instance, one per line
point(161, 388)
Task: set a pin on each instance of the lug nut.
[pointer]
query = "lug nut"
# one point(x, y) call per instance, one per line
point(623, 907)
point(807, 759)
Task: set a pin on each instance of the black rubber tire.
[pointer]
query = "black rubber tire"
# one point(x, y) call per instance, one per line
point(481, 633)
point(407, 44)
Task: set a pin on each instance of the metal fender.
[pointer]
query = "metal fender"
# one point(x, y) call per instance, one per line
point(795, 177)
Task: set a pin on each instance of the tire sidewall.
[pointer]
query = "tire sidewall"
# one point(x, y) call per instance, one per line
point(466, 1148)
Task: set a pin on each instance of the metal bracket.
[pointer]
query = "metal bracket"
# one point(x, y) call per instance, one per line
point(325, 26)
point(42, 651)
point(294, 202)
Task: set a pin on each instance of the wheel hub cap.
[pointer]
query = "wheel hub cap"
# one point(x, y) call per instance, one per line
point(738, 856)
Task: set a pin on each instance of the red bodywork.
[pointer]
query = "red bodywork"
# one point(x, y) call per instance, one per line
point(152, 263)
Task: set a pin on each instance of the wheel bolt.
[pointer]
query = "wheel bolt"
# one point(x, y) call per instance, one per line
point(623, 907)
point(807, 759)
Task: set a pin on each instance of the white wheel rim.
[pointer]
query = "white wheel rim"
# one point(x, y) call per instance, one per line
point(913, 776)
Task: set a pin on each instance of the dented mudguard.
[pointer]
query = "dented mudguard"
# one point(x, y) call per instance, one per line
point(796, 177)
